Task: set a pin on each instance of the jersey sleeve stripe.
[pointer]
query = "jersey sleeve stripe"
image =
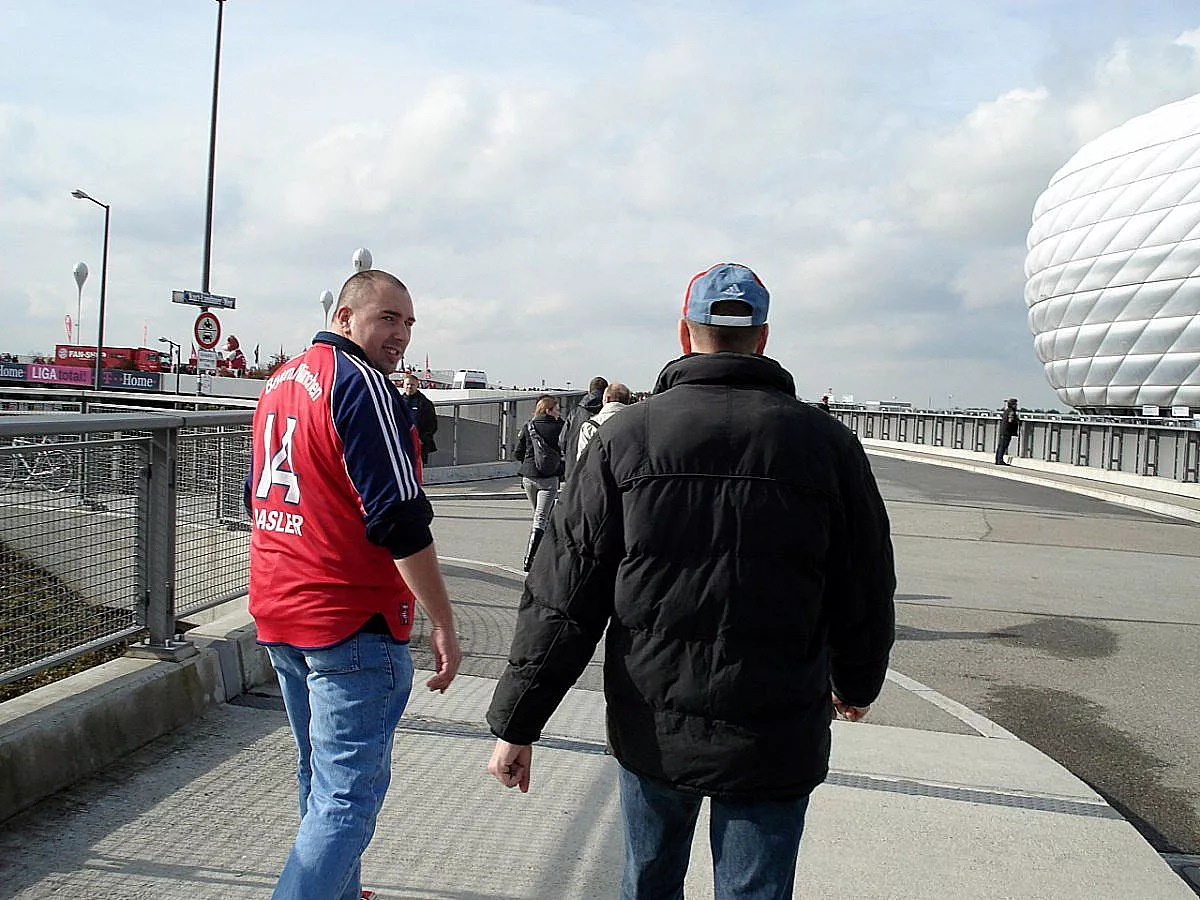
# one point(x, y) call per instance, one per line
point(401, 465)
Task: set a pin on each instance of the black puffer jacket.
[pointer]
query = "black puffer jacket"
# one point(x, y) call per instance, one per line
point(588, 407)
point(737, 542)
point(549, 428)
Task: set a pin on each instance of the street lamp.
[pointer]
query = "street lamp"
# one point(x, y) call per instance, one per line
point(175, 350)
point(81, 274)
point(361, 259)
point(80, 195)
point(212, 153)
point(326, 303)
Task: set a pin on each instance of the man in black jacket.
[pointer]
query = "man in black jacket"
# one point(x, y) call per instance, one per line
point(1010, 427)
point(423, 414)
point(733, 542)
point(588, 407)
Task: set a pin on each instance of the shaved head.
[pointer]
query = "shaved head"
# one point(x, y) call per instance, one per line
point(363, 285)
point(375, 311)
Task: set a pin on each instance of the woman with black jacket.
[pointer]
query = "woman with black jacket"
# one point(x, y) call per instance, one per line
point(541, 466)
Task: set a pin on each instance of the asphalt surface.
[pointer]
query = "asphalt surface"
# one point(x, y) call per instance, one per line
point(1069, 621)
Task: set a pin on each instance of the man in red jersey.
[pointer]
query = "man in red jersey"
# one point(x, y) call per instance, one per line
point(340, 550)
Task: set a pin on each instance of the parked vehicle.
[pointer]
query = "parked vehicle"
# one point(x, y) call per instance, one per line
point(138, 359)
point(469, 378)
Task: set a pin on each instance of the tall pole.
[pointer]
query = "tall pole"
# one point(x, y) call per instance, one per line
point(83, 195)
point(100, 316)
point(212, 154)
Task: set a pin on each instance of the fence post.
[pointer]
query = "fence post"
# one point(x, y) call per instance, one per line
point(508, 419)
point(454, 435)
point(156, 550)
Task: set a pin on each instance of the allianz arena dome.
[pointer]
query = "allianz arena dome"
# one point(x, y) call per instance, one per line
point(1113, 269)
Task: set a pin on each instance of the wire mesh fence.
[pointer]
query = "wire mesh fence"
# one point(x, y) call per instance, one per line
point(69, 546)
point(212, 530)
point(127, 521)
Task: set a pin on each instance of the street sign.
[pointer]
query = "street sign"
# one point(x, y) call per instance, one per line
point(207, 330)
point(199, 298)
point(206, 360)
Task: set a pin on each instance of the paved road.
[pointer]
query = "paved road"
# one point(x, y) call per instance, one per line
point(1071, 622)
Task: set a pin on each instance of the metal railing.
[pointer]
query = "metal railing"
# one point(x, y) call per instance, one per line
point(113, 525)
point(116, 524)
point(469, 431)
point(1167, 450)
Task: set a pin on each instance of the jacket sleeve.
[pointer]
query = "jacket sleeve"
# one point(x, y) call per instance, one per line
point(522, 445)
point(566, 605)
point(429, 423)
point(377, 440)
point(586, 431)
point(861, 584)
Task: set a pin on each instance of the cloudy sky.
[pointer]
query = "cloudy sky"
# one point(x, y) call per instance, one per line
point(546, 177)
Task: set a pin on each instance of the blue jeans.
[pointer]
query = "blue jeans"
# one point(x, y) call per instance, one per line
point(343, 705)
point(754, 845)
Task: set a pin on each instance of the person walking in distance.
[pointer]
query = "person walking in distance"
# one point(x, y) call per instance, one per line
point(588, 407)
point(424, 416)
point(1010, 427)
point(541, 458)
point(730, 542)
point(341, 548)
point(616, 397)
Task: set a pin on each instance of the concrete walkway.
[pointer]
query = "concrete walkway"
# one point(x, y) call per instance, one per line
point(926, 799)
point(908, 812)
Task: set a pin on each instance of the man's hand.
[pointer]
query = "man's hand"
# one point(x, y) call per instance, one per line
point(421, 573)
point(848, 712)
point(510, 763)
point(446, 657)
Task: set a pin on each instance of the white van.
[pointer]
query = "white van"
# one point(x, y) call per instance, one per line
point(469, 378)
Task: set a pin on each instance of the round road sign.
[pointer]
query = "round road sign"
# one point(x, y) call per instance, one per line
point(207, 330)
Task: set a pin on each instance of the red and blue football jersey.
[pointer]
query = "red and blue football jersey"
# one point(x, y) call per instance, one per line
point(334, 497)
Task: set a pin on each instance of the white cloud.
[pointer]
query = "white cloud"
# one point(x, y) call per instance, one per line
point(548, 206)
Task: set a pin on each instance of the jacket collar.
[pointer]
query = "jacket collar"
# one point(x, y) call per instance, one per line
point(593, 401)
point(740, 369)
point(341, 343)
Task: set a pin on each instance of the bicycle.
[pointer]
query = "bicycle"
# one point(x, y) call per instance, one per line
point(45, 469)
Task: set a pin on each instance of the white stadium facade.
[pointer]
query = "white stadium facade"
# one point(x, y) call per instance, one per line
point(1113, 268)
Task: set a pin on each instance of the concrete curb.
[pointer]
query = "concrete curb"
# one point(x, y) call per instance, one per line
point(474, 472)
point(64, 732)
point(1018, 471)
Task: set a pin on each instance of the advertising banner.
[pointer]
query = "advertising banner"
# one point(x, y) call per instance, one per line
point(13, 371)
point(39, 372)
point(44, 373)
point(122, 380)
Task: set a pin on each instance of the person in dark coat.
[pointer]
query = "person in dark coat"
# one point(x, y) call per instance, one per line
point(1010, 427)
point(423, 414)
point(540, 485)
point(573, 424)
point(732, 542)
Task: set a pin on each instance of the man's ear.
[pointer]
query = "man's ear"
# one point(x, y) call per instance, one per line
point(762, 340)
point(685, 337)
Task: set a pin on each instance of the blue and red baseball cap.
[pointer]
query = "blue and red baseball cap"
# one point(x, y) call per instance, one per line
point(726, 281)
